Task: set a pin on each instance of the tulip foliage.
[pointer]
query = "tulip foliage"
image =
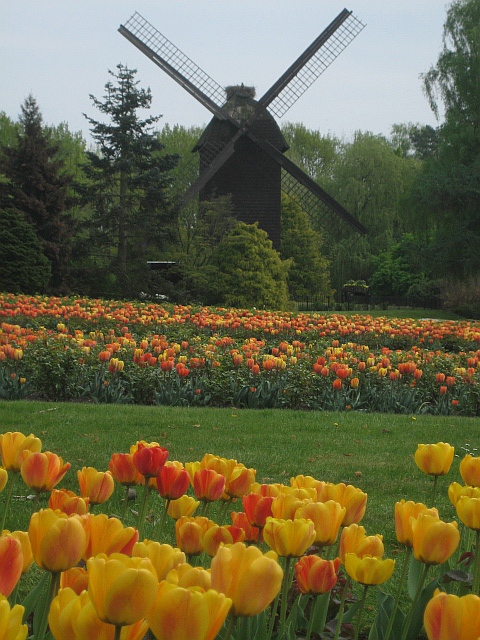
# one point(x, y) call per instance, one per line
point(144, 353)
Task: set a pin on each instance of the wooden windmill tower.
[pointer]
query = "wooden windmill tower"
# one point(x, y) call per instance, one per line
point(242, 148)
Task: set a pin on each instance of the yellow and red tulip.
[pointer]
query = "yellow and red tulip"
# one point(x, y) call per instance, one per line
point(434, 459)
point(42, 471)
point(316, 575)
point(95, 485)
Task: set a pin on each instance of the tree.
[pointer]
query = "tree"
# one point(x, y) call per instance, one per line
point(248, 270)
point(309, 273)
point(130, 182)
point(23, 266)
point(446, 194)
point(38, 187)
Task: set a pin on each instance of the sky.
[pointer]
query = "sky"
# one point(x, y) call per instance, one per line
point(60, 51)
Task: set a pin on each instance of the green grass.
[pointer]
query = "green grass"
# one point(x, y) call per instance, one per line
point(372, 451)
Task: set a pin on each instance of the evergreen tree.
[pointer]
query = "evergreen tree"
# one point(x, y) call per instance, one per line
point(129, 183)
point(37, 186)
point(309, 270)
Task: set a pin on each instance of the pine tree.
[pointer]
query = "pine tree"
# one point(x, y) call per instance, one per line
point(130, 182)
point(37, 186)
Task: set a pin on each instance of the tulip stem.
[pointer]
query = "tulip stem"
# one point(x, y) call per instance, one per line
point(409, 617)
point(273, 616)
point(287, 578)
point(125, 502)
point(118, 631)
point(163, 517)
point(360, 612)
point(406, 562)
point(342, 608)
point(141, 511)
point(8, 496)
point(435, 479)
point(476, 566)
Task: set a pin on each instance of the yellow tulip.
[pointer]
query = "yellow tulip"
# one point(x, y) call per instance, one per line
point(95, 485)
point(470, 470)
point(447, 617)
point(58, 541)
point(433, 540)
point(327, 518)
point(187, 614)
point(163, 556)
point(15, 446)
point(42, 471)
point(354, 540)
point(353, 499)
point(289, 538)
point(122, 589)
point(3, 478)
point(468, 510)
point(456, 491)
point(369, 570)
point(11, 627)
point(186, 576)
point(107, 535)
point(73, 617)
point(404, 511)
point(434, 459)
point(247, 576)
point(184, 506)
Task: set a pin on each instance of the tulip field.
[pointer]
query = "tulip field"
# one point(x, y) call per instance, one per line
point(105, 351)
point(173, 521)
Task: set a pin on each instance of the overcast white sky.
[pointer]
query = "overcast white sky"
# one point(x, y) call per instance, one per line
point(60, 51)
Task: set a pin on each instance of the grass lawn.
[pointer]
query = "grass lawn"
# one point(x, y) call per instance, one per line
point(372, 451)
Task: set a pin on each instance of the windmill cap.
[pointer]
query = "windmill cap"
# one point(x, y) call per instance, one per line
point(239, 91)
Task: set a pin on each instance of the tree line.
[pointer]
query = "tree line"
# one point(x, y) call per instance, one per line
point(89, 220)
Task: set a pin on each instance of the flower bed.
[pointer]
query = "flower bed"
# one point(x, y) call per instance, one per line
point(111, 351)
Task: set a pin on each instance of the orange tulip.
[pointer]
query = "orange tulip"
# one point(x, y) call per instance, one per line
point(149, 459)
point(257, 508)
point(369, 570)
point(404, 511)
point(327, 518)
point(68, 502)
point(448, 617)
point(208, 485)
point(187, 614)
point(75, 578)
point(240, 481)
point(23, 538)
point(434, 459)
point(470, 470)
point(95, 485)
point(163, 556)
point(11, 621)
point(289, 538)
point(315, 575)
point(184, 506)
point(122, 589)
point(247, 576)
point(42, 471)
point(433, 540)
point(58, 541)
point(173, 481)
point(11, 563)
point(239, 519)
point(123, 470)
point(14, 446)
point(189, 533)
point(213, 537)
point(107, 535)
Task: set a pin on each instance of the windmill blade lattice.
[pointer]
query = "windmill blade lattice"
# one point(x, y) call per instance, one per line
point(174, 62)
point(312, 69)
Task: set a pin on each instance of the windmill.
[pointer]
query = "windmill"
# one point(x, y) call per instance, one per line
point(242, 148)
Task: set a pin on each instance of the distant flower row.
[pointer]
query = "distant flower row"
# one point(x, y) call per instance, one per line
point(64, 349)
